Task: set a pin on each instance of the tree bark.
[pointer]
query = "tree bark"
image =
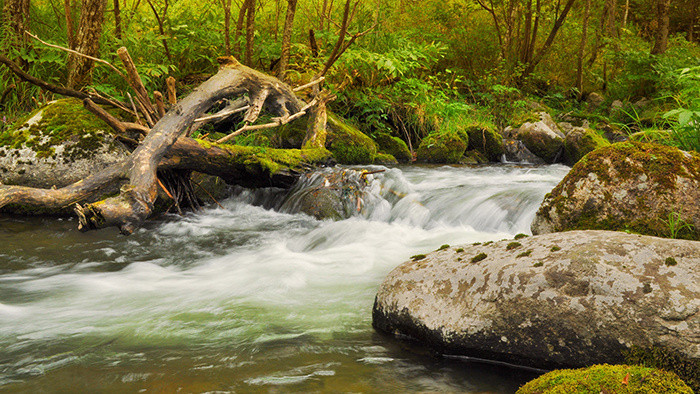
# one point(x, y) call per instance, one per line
point(70, 29)
point(15, 13)
point(87, 42)
point(286, 38)
point(550, 39)
point(661, 37)
point(239, 28)
point(226, 5)
point(117, 20)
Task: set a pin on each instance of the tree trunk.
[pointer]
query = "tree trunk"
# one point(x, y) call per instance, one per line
point(87, 42)
point(15, 14)
point(70, 28)
point(226, 4)
point(286, 38)
point(661, 38)
point(582, 49)
point(117, 20)
point(249, 33)
point(239, 28)
point(550, 39)
point(160, 19)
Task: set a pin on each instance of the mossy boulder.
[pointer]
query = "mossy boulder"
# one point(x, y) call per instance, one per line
point(579, 142)
point(394, 146)
point(57, 145)
point(385, 159)
point(540, 139)
point(442, 147)
point(561, 300)
point(607, 379)
point(474, 157)
point(628, 186)
point(348, 144)
point(485, 139)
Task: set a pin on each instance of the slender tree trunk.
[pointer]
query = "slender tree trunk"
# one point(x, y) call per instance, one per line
point(70, 29)
point(15, 13)
point(239, 28)
point(250, 33)
point(526, 33)
point(323, 15)
point(550, 39)
point(661, 39)
point(287, 38)
point(160, 18)
point(582, 49)
point(627, 11)
point(117, 20)
point(87, 42)
point(226, 4)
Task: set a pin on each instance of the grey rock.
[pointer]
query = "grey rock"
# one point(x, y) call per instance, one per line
point(557, 300)
point(595, 100)
point(517, 152)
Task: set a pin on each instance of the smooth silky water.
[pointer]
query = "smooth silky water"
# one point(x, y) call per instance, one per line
point(249, 299)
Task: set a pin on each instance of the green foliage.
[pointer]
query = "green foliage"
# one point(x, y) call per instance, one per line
point(686, 369)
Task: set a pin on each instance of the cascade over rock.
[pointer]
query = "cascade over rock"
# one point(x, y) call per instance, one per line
point(567, 299)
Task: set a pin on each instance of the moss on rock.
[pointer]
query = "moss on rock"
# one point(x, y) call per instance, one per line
point(394, 146)
point(485, 139)
point(627, 186)
point(385, 159)
point(348, 144)
point(579, 142)
point(445, 147)
point(606, 379)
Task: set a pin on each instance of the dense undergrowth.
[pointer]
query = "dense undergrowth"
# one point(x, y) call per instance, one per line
point(426, 67)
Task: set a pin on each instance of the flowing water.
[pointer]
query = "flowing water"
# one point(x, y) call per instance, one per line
point(249, 299)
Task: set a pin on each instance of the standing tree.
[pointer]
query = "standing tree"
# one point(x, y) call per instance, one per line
point(286, 38)
point(226, 5)
point(661, 37)
point(87, 42)
point(15, 15)
point(582, 49)
point(249, 32)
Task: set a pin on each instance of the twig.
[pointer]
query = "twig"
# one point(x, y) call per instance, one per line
point(221, 114)
point(138, 120)
point(310, 84)
point(208, 194)
point(76, 53)
point(279, 122)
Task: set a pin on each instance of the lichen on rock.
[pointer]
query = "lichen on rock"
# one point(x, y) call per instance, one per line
point(628, 186)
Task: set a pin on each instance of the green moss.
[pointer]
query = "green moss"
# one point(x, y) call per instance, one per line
point(663, 137)
point(348, 144)
point(384, 159)
point(478, 257)
point(606, 379)
point(555, 249)
point(394, 146)
point(686, 369)
point(580, 142)
point(459, 250)
point(443, 247)
point(63, 121)
point(537, 264)
point(660, 164)
point(445, 147)
point(513, 245)
point(520, 236)
point(473, 157)
point(484, 138)
point(670, 261)
point(525, 253)
point(646, 288)
point(418, 257)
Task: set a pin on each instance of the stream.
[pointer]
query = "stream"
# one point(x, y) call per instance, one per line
point(251, 297)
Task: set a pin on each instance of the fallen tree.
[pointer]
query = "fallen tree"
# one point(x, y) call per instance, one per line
point(165, 148)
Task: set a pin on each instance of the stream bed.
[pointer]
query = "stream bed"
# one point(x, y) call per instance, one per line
point(246, 298)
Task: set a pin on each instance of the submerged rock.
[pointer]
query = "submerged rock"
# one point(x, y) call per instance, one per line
point(57, 145)
point(629, 186)
point(559, 300)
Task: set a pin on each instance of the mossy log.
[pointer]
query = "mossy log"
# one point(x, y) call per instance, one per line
point(164, 147)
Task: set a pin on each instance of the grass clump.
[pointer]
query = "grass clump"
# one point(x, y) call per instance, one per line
point(520, 236)
point(418, 257)
point(555, 248)
point(524, 254)
point(459, 250)
point(478, 257)
point(513, 245)
point(670, 261)
point(443, 247)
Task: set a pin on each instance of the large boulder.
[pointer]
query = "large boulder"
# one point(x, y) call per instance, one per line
point(629, 186)
point(56, 145)
point(567, 299)
point(348, 144)
point(394, 146)
point(579, 142)
point(541, 140)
